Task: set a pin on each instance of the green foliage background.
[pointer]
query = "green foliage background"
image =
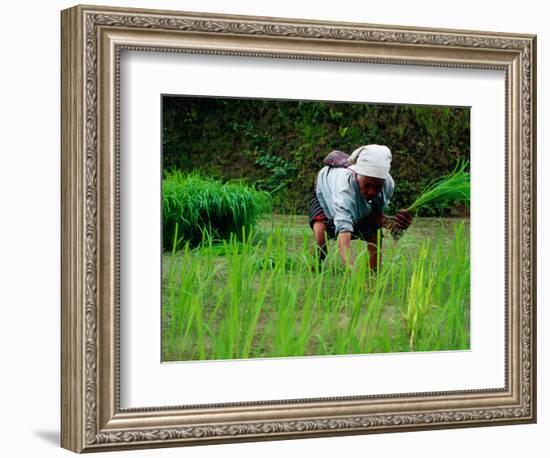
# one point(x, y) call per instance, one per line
point(279, 146)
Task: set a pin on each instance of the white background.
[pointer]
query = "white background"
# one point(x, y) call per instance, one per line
point(29, 245)
point(146, 75)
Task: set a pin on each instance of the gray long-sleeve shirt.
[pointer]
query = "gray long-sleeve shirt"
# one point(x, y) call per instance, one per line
point(339, 196)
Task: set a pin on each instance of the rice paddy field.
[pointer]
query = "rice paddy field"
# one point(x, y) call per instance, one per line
point(263, 294)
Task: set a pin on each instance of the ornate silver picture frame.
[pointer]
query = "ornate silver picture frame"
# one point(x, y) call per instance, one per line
point(93, 39)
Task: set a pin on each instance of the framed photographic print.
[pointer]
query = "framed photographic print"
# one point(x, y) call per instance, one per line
point(277, 228)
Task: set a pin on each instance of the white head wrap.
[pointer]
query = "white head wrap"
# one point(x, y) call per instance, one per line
point(371, 161)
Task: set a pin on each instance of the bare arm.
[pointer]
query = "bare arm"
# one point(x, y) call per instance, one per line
point(344, 248)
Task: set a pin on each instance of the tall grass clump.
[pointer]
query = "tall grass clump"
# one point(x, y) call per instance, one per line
point(195, 206)
point(435, 309)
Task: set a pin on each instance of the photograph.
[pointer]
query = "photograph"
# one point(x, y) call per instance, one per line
point(295, 228)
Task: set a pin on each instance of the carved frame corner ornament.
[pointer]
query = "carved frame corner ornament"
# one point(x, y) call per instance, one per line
point(92, 38)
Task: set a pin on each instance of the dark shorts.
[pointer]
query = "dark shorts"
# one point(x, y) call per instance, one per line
point(364, 229)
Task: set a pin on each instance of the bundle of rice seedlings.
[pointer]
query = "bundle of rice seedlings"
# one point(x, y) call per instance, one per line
point(441, 193)
point(195, 207)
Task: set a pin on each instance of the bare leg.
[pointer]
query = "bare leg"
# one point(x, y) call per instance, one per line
point(319, 231)
point(375, 256)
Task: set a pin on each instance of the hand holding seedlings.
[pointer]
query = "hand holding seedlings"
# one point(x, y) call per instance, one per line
point(403, 219)
point(398, 223)
point(441, 193)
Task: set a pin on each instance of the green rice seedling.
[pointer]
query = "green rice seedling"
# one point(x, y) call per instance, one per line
point(445, 191)
point(204, 206)
point(308, 316)
point(420, 292)
point(441, 193)
point(378, 294)
point(257, 295)
point(453, 329)
point(436, 311)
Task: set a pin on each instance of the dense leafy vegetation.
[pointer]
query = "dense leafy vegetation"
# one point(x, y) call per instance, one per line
point(279, 145)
